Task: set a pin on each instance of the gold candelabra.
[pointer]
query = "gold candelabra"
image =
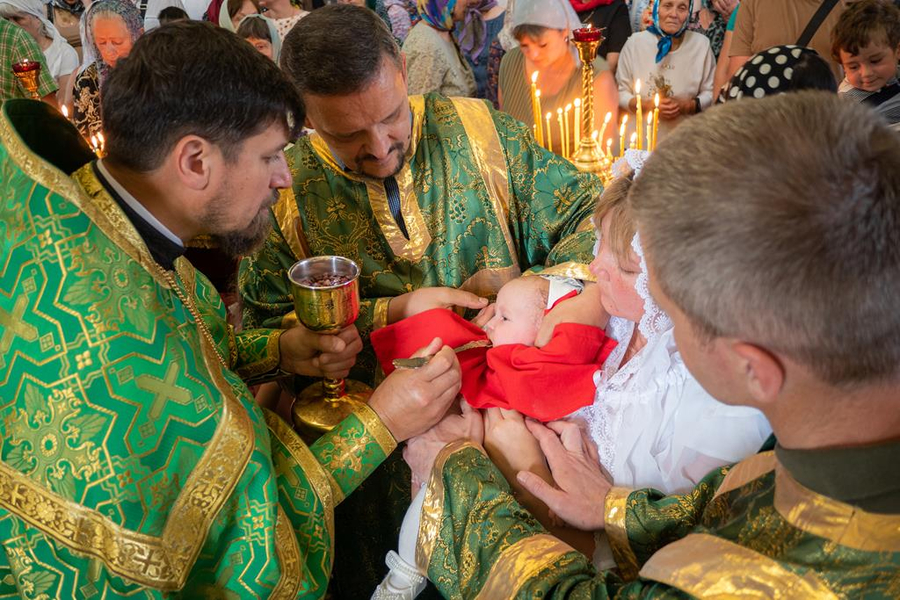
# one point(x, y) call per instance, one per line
point(589, 155)
point(326, 300)
point(27, 73)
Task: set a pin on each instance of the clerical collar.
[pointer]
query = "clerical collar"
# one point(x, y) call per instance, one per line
point(163, 245)
point(857, 476)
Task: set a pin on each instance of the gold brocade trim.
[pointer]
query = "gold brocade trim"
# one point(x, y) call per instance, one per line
point(518, 563)
point(289, 560)
point(270, 362)
point(709, 567)
point(488, 156)
point(616, 508)
point(487, 282)
point(833, 520)
point(287, 215)
point(746, 471)
point(376, 428)
point(571, 270)
point(433, 505)
point(162, 562)
point(380, 318)
point(321, 480)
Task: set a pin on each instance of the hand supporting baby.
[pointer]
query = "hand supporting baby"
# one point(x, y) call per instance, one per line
point(422, 450)
point(585, 309)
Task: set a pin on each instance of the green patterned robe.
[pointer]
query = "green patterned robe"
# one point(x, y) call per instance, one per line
point(746, 531)
point(482, 202)
point(135, 462)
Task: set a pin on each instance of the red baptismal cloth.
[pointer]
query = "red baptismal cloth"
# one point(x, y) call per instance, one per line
point(543, 383)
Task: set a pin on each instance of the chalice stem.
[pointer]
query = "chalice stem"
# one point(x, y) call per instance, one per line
point(334, 389)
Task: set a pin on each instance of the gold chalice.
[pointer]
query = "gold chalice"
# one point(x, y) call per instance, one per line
point(326, 299)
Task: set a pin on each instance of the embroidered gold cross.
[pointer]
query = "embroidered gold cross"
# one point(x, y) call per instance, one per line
point(14, 325)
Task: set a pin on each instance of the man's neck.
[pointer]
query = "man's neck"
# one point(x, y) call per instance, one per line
point(145, 191)
point(826, 417)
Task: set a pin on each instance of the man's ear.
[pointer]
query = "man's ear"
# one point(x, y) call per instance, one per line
point(764, 371)
point(192, 158)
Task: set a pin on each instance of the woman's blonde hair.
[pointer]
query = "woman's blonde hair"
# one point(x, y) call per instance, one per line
point(613, 202)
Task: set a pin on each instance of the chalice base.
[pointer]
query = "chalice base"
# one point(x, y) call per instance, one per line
point(314, 414)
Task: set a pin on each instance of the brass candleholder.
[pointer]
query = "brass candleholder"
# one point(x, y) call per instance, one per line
point(326, 309)
point(589, 155)
point(27, 72)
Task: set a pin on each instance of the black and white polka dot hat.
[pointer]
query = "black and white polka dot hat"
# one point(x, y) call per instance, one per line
point(772, 72)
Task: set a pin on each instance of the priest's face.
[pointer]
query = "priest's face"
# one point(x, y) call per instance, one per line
point(368, 130)
point(238, 215)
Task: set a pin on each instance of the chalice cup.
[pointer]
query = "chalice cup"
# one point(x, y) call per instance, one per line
point(27, 73)
point(326, 300)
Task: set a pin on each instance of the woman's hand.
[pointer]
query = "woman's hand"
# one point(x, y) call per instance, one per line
point(585, 309)
point(724, 7)
point(672, 108)
point(509, 444)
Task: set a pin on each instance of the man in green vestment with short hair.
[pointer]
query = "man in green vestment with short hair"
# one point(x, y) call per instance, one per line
point(772, 238)
point(439, 200)
point(135, 461)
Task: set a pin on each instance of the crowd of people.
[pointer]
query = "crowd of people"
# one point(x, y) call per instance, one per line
point(678, 384)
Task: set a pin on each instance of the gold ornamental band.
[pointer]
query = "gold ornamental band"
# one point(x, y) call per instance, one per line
point(746, 471)
point(616, 508)
point(289, 560)
point(519, 563)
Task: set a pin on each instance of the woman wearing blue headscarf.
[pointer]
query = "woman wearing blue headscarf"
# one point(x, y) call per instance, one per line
point(669, 60)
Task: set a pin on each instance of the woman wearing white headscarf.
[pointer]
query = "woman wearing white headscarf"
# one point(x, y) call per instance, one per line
point(62, 59)
point(262, 33)
point(543, 29)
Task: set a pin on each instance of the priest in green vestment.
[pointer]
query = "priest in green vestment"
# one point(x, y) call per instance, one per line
point(439, 200)
point(135, 461)
point(781, 269)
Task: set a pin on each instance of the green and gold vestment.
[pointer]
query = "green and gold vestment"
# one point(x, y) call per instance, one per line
point(746, 531)
point(135, 461)
point(481, 201)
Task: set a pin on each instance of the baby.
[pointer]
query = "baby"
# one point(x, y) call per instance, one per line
point(541, 367)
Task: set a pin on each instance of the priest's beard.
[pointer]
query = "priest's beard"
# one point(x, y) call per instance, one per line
point(244, 241)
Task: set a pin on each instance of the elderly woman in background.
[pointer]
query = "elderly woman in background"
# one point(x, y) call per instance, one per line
point(433, 59)
point(112, 27)
point(669, 60)
point(261, 32)
point(62, 59)
point(543, 29)
point(232, 12)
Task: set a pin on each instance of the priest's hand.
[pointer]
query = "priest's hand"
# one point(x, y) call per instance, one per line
point(421, 451)
point(409, 401)
point(305, 352)
point(581, 486)
point(418, 301)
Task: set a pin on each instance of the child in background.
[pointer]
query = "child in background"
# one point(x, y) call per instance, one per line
point(262, 34)
point(866, 41)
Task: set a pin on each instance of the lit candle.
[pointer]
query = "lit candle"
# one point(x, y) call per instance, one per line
point(595, 135)
point(633, 142)
point(102, 142)
point(562, 134)
point(577, 124)
point(606, 121)
point(566, 123)
point(549, 133)
point(65, 112)
point(639, 117)
point(655, 119)
point(650, 131)
point(94, 145)
point(536, 107)
point(609, 148)
point(622, 135)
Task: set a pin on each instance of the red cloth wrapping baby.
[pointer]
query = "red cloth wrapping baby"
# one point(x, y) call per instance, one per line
point(543, 383)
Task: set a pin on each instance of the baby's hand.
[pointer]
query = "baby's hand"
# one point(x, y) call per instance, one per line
point(509, 443)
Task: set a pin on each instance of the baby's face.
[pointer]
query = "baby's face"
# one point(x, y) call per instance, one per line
point(517, 315)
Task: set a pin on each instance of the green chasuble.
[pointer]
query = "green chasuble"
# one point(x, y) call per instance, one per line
point(135, 462)
point(481, 202)
point(746, 531)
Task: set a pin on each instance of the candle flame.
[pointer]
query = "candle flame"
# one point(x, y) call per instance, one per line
point(589, 25)
point(537, 94)
point(100, 138)
point(577, 102)
point(534, 77)
point(93, 141)
point(558, 111)
point(637, 87)
point(595, 135)
point(549, 115)
point(622, 129)
point(656, 100)
point(607, 118)
point(650, 119)
point(608, 143)
point(568, 107)
point(633, 137)
point(65, 111)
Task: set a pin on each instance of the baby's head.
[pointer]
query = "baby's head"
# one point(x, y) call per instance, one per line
point(519, 311)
